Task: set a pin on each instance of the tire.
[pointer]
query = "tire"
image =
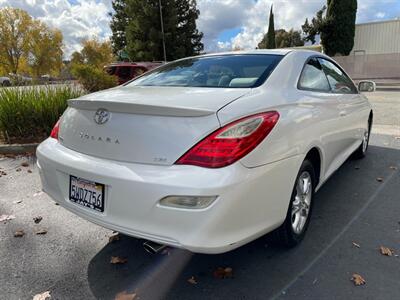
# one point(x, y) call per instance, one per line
point(361, 151)
point(286, 234)
point(6, 83)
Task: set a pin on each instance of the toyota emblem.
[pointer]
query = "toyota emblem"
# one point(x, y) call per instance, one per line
point(102, 116)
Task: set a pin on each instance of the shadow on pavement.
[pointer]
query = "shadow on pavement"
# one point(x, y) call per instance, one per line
point(261, 269)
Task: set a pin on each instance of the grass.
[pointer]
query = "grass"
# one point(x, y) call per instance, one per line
point(29, 114)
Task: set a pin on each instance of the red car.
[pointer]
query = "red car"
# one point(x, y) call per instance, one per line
point(126, 71)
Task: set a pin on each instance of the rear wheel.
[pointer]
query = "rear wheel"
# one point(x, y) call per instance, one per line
point(6, 83)
point(292, 231)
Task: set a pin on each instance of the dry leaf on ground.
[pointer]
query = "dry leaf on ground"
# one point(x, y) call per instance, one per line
point(356, 245)
point(114, 238)
point(37, 219)
point(18, 170)
point(17, 202)
point(192, 280)
point(379, 179)
point(41, 231)
point(357, 167)
point(386, 251)
point(125, 296)
point(29, 171)
point(223, 273)
point(118, 260)
point(19, 233)
point(393, 168)
point(5, 218)
point(25, 164)
point(358, 279)
point(42, 296)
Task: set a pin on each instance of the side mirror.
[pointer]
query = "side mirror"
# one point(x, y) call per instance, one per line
point(367, 86)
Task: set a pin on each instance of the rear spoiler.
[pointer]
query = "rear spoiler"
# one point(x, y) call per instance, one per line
point(143, 109)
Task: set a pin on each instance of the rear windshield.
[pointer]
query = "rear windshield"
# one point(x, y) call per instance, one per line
point(224, 71)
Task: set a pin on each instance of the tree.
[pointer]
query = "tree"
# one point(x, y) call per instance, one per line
point(15, 32)
point(88, 65)
point(94, 53)
point(270, 36)
point(118, 25)
point(136, 29)
point(28, 44)
point(284, 39)
point(339, 31)
point(316, 26)
point(45, 50)
point(336, 28)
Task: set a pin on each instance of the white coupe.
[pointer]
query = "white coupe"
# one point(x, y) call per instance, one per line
point(210, 152)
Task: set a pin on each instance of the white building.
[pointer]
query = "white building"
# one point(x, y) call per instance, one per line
point(376, 51)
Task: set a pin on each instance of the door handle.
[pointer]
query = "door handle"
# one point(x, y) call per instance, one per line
point(342, 113)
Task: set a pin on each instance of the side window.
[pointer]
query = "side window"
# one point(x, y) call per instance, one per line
point(313, 77)
point(338, 81)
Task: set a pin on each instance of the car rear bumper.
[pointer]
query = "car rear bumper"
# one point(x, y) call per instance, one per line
point(250, 203)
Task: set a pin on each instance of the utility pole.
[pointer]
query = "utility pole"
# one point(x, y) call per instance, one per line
point(162, 31)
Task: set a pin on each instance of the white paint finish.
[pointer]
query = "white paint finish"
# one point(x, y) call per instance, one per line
point(253, 193)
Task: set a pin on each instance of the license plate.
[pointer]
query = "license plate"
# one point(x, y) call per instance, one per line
point(86, 193)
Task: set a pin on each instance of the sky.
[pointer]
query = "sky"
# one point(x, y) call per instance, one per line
point(226, 24)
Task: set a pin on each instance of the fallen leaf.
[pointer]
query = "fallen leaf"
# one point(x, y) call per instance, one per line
point(386, 251)
point(379, 179)
point(18, 170)
point(25, 164)
point(42, 296)
point(3, 173)
point(393, 168)
point(29, 171)
point(17, 202)
point(118, 260)
point(37, 219)
point(223, 273)
point(192, 280)
point(357, 279)
point(19, 233)
point(357, 167)
point(41, 231)
point(114, 238)
point(56, 203)
point(5, 218)
point(356, 245)
point(125, 296)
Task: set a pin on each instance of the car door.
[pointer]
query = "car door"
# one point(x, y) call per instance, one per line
point(316, 92)
point(351, 106)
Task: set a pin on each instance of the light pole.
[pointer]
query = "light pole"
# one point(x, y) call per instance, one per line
point(162, 31)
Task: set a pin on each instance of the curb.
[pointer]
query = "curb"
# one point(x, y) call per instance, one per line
point(18, 148)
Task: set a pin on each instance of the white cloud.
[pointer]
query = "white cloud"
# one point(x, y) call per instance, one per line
point(85, 19)
point(89, 18)
point(380, 15)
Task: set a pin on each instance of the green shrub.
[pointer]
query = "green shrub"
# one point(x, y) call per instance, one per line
point(29, 114)
point(93, 79)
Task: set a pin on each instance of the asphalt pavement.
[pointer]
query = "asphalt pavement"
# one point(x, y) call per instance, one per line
point(356, 212)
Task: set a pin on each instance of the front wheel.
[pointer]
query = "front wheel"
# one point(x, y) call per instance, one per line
point(292, 231)
point(362, 150)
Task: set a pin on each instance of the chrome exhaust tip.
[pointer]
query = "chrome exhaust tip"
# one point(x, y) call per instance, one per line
point(152, 247)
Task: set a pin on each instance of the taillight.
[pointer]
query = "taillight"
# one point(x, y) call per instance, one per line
point(54, 131)
point(231, 142)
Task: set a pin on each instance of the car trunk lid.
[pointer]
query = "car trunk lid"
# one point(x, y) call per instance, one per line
point(150, 125)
